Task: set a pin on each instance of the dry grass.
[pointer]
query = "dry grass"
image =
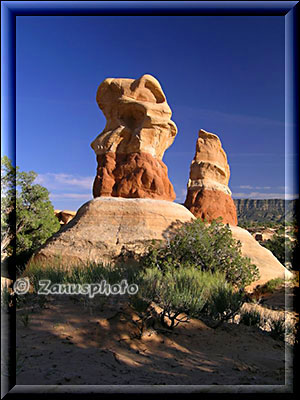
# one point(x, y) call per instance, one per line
point(281, 324)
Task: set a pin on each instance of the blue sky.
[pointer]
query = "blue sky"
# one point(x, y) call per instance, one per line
point(221, 74)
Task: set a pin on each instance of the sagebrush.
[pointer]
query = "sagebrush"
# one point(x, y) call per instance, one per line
point(207, 247)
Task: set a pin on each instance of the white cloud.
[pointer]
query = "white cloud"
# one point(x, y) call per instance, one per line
point(67, 188)
point(245, 187)
point(75, 196)
point(253, 187)
point(180, 195)
point(60, 181)
point(259, 195)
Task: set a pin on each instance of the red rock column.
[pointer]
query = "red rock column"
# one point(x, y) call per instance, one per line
point(130, 149)
point(209, 196)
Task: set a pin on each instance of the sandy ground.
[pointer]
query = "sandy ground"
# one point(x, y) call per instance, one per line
point(78, 342)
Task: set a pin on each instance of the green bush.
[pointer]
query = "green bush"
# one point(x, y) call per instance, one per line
point(181, 292)
point(244, 223)
point(80, 274)
point(139, 304)
point(279, 328)
point(271, 285)
point(224, 303)
point(205, 247)
point(250, 318)
point(282, 247)
point(27, 215)
point(189, 291)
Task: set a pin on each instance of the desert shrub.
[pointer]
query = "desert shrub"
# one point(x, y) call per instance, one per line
point(36, 272)
point(175, 291)
point(139, 304)
point(224, 303)
point(79, 274)
point(250, 318)
point(143, 310)
point(92, 272)
point(272, 285)
point(27, 214)
point(208, 247)
point(185, 292)
point(257, 224)
point(282, 247)
point(279, 328)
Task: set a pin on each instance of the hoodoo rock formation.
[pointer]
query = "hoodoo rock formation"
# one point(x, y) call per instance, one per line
point(133, 201)
point(132, 205)
point(209, 196)
point(130, 149)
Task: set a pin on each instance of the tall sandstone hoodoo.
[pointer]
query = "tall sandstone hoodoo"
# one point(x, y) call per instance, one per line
point(119, 223)
point(133, 202)
point(131, 147)
point(209, 196)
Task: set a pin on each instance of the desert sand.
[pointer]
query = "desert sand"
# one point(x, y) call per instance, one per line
point(75, 341)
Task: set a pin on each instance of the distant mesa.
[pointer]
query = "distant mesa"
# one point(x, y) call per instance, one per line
point(131, 147)
point(266, 210)
point(209, 196)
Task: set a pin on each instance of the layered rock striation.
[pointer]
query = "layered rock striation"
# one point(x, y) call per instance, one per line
point(131, 147)
point(107, 228)
point(209, 196)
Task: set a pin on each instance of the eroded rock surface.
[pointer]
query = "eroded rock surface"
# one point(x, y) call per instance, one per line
point(268, 265)
point(131, 147)
point(108, 227)
point(209, 196)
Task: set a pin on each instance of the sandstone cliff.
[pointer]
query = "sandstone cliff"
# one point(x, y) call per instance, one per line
point(269, 210)
point(131, 147)
point(209, 196)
